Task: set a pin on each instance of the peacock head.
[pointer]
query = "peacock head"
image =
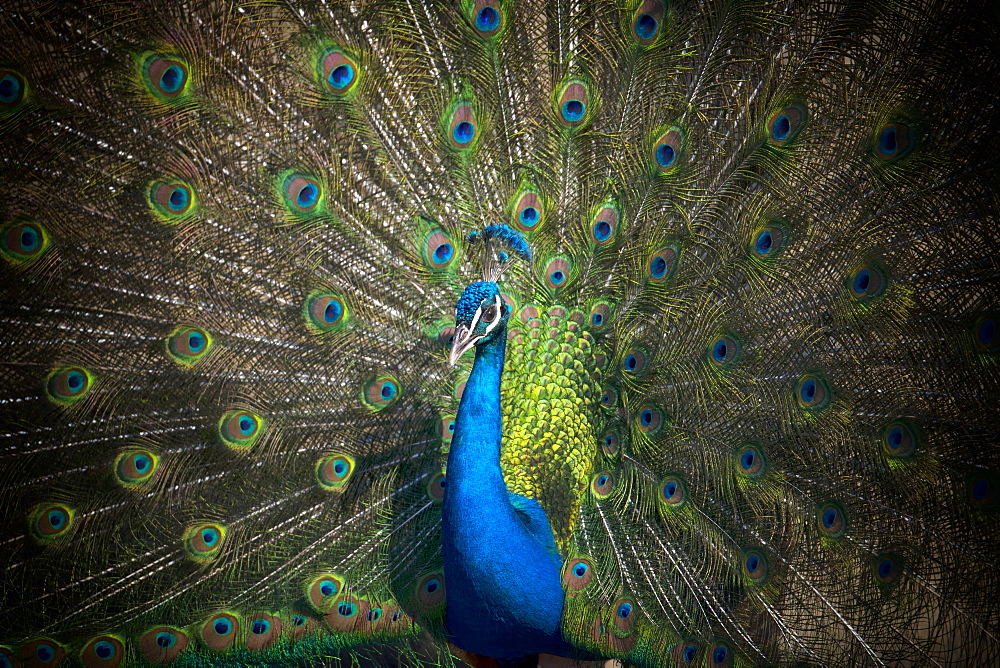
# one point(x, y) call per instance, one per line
point(480, 316)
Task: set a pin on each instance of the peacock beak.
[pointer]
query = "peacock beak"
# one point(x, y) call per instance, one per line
point(464, 340)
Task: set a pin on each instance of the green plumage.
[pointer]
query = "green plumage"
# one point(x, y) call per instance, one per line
point(752, 368)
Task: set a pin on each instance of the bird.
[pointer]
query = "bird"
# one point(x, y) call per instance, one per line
point(422, 332)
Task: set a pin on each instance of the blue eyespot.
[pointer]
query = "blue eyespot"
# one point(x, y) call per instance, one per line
point(887, 141)
point(659, 267)
point(341, 76)
point(165, 640)
point(172, 79)
point(781, 127)
point(581, 569)
point(328, 588)
point(260, 626)
point(30, 239)
point(720, 654)
point(808, 390)
point(624, 610)
point(104, 650)
point(645, 27)
point(763, 244)
point(665, 155)
point(690, 652)
point(463, 132)
point(209, 536)
point(347, 609)
point(487, 19)
point(178, 199)
point(298, 620)
point(432, 585)
point(573, 111)
point(443, 253)
point(11, 88)
point(307, 195)
point(57, 519)
point(45, 652)
point(141, 463)
point(528, 216)
point(223, 626)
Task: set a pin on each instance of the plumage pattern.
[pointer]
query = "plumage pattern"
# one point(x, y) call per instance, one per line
point(752, 363)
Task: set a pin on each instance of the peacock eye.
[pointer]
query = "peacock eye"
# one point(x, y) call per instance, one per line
point(490, 313)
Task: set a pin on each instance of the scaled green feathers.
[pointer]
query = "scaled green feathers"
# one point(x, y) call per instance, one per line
point(752, 366)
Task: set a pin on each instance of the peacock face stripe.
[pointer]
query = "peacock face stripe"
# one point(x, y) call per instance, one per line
point(166, 76)
point(12, 90)
point(337, 71)
point(21, 243)
point(104, 651)
point(163, 644)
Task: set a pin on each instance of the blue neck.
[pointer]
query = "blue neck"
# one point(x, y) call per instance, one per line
point(504, 590)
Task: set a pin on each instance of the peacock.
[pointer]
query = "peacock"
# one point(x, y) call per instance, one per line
point(504, 332)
